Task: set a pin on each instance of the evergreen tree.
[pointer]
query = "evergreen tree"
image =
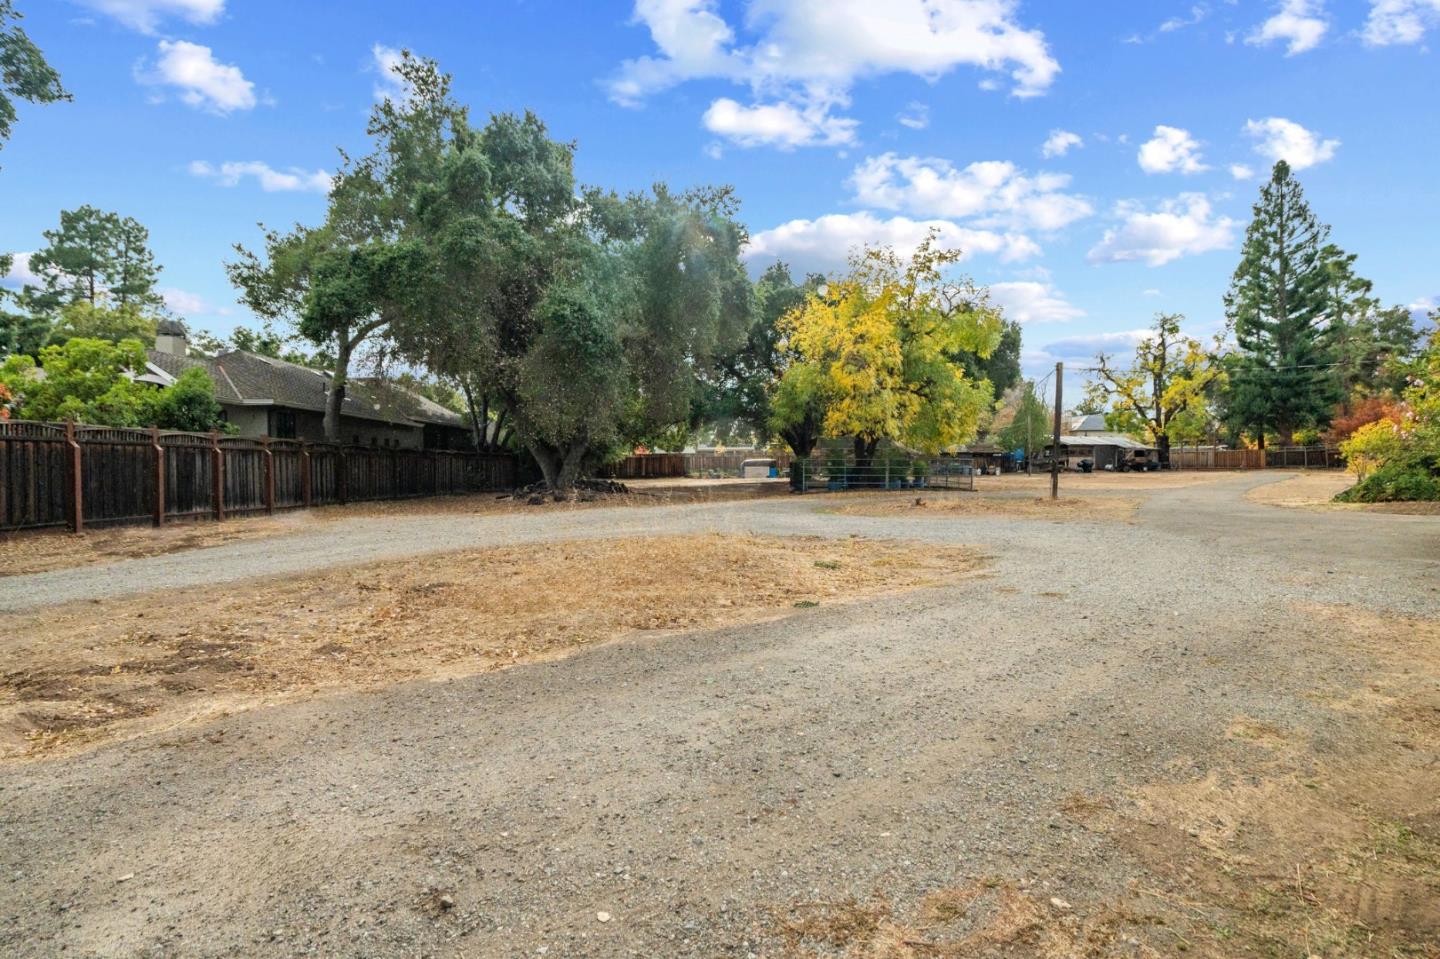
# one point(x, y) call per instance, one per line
point(94, 256)
point(1372, 343)
point(77, 261)
point(135, 273)
point(1282, 377)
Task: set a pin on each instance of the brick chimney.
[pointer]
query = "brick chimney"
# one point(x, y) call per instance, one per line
point(170, 337)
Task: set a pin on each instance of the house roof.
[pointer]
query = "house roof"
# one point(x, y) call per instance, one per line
point(248, 379)
point(1087, 423)
point(1104, 439)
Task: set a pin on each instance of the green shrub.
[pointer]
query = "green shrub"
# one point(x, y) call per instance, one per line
point(1406, 479)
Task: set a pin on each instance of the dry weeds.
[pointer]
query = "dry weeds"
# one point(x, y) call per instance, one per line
point(39, 551)
point(87, 672)
point(1304, 845)
point(1069, 508)
point(991, 917)
point(1292, 845)
point(1317, 490)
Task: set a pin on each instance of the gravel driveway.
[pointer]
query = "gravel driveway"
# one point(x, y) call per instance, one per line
point(687, 787)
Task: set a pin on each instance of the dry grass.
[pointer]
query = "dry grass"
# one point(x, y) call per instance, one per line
point(1069, 508)
point(1292, 844)
point(988, 918)
point(1317, 490)
point(1299, 846)
point(1100, 482)
point(88, 672)
point(39, 551)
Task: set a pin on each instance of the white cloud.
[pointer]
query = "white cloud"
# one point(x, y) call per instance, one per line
point(1197, 13)
point(1299, 23)
point(1171, 150)
point(1059, 143)
point(20, 273)
point(916, 116)
point(714, 150)
point(1281, 139)
point(1394, 22)
point(1077, 352)
point(388, 85)
point(1180, 227)
point(1027, 301)
point(186, 303)
point(809, 53)
point(203, 81)
point(782, 125)
point(1240, 171)
point(994, 191)
point(293, 179)
point(145, 15)
point(825, 242)
point(1087, 345)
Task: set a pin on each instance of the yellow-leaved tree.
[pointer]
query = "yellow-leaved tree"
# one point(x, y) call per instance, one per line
point(884, 345)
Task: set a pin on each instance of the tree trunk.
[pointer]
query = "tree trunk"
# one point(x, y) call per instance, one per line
point(864, 459)
point(1162, 446)
point(800, 440)
point(335, 401)
point(560, 465)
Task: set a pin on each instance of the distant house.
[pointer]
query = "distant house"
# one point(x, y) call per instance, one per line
point(1104, 450)
point(263, 396)
point(1086, 424)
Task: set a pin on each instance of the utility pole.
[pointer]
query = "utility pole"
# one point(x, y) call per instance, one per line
point(1055, 450)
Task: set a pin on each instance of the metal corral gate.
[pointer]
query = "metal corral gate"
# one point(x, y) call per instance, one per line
point(836, 474)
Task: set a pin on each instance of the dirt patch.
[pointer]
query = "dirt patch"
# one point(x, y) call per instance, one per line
point(1304, 491)
point(1295, 843)
point(87, 672)
point(1069, 508)
point(39, 551)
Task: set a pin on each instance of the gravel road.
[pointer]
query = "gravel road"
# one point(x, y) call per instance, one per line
point(686, 787)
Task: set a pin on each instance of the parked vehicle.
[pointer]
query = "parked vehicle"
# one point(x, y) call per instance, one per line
point(1143, 461)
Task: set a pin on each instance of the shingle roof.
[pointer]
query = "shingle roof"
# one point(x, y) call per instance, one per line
point(251, 379)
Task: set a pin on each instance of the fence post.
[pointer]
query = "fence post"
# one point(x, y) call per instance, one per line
point(217, 474)
point(305, 478)
point(77, 501)
point(269, 476)
point(342, 475)
point(159, 475)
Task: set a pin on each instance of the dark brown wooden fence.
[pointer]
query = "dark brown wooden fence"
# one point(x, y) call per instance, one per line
point(646, 466)
point(65, 475)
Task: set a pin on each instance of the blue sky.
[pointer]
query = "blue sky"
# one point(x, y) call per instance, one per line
point(1097, 162)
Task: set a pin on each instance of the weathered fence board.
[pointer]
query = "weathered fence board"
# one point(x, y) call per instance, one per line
point(123, 475)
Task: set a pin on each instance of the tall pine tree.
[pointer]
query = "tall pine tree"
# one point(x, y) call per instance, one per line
point(1281, 378)
point(97, 257)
